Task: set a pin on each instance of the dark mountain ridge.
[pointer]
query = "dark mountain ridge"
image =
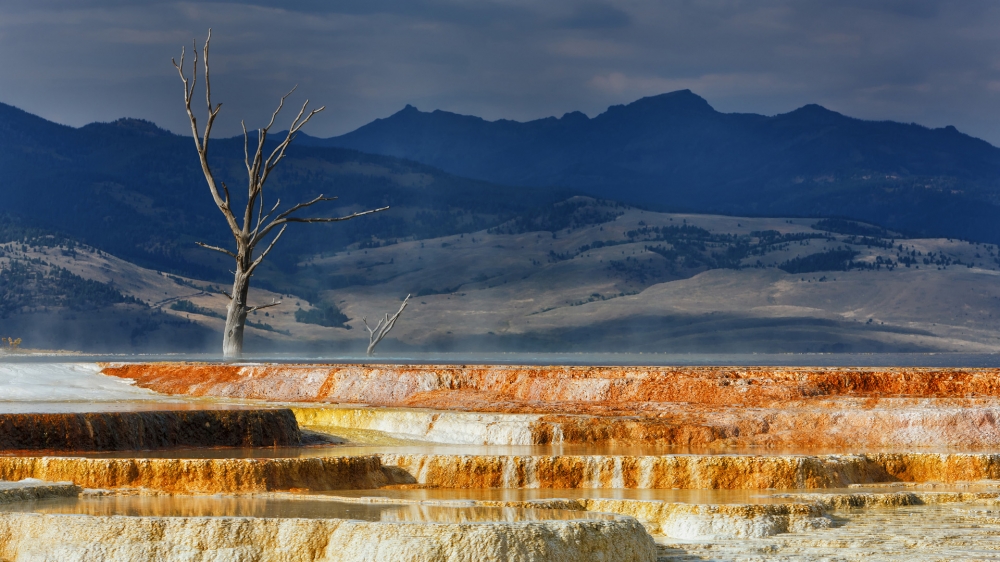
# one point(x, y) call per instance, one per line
point(137, 191)
point(675, 151)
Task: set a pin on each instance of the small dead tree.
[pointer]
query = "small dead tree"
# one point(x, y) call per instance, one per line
point(256, 225)
point(380, 330)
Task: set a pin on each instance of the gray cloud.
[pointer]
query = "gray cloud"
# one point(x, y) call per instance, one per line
point(931, 62)
point(596, 16)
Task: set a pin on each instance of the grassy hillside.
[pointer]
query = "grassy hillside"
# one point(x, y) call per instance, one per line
point(586, 275)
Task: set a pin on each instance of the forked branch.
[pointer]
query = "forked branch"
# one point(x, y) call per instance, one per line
point(201, 137)
point(380, 330)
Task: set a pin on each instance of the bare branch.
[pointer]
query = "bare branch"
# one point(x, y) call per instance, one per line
point(273, 209)
point(194, 66)
point(263, 306)
point(385, 324)
point(246, 140)
point(280, 219)
point(306, 204)
point(201, 138)
point(208, 96)
point(283, 218)
point(281, 103)
point(279, 151)
point(180, 70)
point(258, 157)
point(371, 331)
point(188, 93)
point(257, 178)
point(266, 251)
point(216, 248)
point(260, 211)
point(261, 218)
point(226, 293)
point(208, 85)
point(336, 219)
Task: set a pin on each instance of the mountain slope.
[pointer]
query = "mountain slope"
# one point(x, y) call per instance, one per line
point(135, 190)
point(675, 150)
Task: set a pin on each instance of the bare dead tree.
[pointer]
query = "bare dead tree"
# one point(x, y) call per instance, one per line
point(380, 330)
point(257, 226)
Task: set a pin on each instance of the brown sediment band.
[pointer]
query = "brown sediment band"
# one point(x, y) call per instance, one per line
point(201, 475)
point(429, 385)
point(155, 429)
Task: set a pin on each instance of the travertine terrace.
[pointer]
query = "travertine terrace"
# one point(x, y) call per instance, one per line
point(86, 537)
point(805, 409)
point(523, 463)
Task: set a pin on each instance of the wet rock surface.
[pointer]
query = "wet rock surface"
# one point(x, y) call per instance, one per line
point(123, 431)
point(29, 490)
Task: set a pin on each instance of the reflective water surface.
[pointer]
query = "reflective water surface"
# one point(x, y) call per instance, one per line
point(235, 506)
point(671, 496)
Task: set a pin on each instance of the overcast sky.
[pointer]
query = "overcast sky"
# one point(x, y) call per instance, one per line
point(932, 62)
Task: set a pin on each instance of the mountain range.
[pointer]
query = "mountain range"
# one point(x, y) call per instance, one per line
point(492, 232)
point(674, 151)
point(135, 190)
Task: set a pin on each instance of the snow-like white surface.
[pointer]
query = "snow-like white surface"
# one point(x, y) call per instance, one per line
point(67, 382)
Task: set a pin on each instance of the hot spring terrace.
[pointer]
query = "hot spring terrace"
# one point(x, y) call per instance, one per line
point(727, 409)
point(426, 462)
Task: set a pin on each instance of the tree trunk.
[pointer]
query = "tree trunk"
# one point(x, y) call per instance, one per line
point(236, 317)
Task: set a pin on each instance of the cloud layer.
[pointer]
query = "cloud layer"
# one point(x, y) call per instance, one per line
point(931, 62)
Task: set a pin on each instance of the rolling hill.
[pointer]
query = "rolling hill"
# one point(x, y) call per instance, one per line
point(588, 276)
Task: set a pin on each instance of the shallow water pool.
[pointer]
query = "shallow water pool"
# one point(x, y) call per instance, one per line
point(230, 506)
